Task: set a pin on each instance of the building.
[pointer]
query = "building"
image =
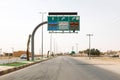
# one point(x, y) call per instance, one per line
point(18, 53)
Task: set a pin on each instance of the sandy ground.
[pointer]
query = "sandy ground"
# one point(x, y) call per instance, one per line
point(111, 64)
point(5, 67)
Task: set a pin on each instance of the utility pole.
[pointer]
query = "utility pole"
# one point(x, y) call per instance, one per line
point(51, 44)
point(0, 52)
point(72, 48)
point(42, 33)
point(54, 46)
point(89, 35)
point(76, 47)
point(13, 51)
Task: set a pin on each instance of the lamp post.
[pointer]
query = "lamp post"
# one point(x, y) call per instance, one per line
point(54, 46)
point(42, 33)
point(0, 52)
point(76, 47)
point(13, 51)
point(50, 44)
point(89, 35)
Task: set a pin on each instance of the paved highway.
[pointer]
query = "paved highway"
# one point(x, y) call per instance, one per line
point(61, 68)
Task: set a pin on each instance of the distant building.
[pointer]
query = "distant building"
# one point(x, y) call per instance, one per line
point(118, 53)
point(19, 53)
point(7, 54)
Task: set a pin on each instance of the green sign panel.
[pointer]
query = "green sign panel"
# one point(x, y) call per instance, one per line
point(63, 23)
point(52, 23)
point(63, 18)
point(74, 22)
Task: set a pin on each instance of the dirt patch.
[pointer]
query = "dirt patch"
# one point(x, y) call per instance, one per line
point(111, 64)
point(107, 59)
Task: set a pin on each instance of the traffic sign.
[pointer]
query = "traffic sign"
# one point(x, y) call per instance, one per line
point(74, 22)
point(63, 23)
point(52, 23)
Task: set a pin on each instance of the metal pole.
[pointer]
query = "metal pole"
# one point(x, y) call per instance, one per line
point(27, 51)
point(42, 34)
point(32, 38)
point(72, 48)
point(13, 51)
point(89, 48)
point(54, 46)
point(51, 44)
point(89, 54)
point(76, 47)
point(0, 52)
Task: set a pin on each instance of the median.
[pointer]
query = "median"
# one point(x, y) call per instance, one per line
point(10, 67)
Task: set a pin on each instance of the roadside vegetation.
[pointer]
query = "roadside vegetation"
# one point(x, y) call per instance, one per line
point(93, 52)
point(14, 64)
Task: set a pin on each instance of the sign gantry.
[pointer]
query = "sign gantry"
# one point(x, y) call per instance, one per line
point(65, 21)
point(58, 21)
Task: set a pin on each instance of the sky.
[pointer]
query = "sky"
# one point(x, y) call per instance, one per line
point(101, 18)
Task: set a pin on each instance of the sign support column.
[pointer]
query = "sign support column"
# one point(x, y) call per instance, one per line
point(32, 37)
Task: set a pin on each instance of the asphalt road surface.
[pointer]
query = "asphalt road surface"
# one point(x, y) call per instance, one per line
point(61, 68)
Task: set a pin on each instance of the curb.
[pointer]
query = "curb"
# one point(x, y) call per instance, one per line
point(19, 67)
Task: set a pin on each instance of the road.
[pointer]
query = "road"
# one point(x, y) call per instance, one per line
point(62, 68)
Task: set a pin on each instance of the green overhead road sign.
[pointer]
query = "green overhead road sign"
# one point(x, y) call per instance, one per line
point(63, 23)
point(74, 22)
point(53, 23)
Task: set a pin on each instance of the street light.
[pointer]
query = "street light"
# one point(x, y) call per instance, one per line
point(42, 33)
point(54, 46)
point(51, 44)
point(13, 51)
point(76, 47)
point(89, 35)
point(0, 52)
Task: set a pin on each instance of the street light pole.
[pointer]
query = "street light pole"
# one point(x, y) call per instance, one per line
point(13, 51)
point(51, 44)
point(42, 33)
point(54, 46)
point(76, 47)
point(0, 52)
point(89, 35)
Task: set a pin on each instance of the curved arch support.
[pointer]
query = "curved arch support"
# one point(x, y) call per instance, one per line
point(32, 37)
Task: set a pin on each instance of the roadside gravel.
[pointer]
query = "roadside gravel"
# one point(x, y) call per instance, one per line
point(110, 64)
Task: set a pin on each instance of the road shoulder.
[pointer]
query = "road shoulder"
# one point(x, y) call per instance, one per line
point(108, 64)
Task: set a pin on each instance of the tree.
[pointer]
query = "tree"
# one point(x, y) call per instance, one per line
point(72, 53)
point(93, 52)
